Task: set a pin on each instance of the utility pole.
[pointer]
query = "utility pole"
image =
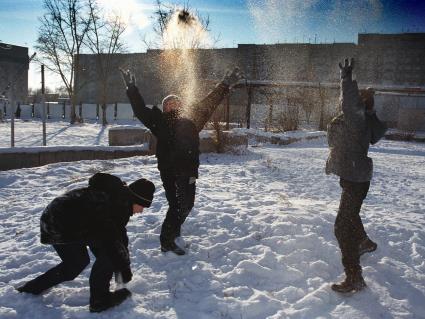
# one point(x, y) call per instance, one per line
point(43, 105)
point(12, 119)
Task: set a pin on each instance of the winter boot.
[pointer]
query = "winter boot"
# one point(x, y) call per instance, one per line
point(172, 247)
point(367, 246)
point(352, 283)
point(28, 289)
point(114, 299)
point(35, 286)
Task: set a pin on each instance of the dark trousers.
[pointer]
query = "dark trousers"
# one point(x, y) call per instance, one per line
point(349, 230)
point(180, 195)
point(75, 259)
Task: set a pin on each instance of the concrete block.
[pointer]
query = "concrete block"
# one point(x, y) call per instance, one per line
point(411, 119)
point(72, 156)
point(207, 145)
point(231, 142)
point(47, 158)
point(18, 160)
point(122, 136)
point(235, 140)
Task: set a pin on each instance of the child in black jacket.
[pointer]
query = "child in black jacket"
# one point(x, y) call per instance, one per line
point(177, 148)
point(94, 216)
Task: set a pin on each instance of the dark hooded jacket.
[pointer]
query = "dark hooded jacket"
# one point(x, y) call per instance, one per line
point(177, 137)
point(349, 136)
point(97, 214)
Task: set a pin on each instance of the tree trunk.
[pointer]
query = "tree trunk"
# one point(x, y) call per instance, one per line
point(104, 121)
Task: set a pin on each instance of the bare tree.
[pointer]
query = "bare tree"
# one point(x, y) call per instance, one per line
point(61, 36)
point(104, 39)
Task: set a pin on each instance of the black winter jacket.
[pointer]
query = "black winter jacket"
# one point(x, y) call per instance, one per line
point(98, 214)
point(177, 148)
point(177, 139)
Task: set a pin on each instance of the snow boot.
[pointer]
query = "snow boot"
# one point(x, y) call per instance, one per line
point(172, 247)
point(35, 286)
point(367, 246)
point(30, 290)
point(114, 299)
point(352, 283)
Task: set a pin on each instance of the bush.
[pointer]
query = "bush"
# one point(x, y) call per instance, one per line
point(288, 119)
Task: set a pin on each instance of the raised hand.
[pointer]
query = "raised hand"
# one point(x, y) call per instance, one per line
point(128, 77)
point(346, 70)
point(233, 77)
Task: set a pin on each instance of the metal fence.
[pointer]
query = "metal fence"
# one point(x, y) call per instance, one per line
point(62, 111)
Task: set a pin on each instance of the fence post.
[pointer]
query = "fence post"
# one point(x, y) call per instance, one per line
point(18, 111)
point(248, 108)
point(116, 111)
point(227, 101)
point(12, 122)
point(43, 104)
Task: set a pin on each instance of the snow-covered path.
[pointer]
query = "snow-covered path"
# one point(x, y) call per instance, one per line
point(261, 239)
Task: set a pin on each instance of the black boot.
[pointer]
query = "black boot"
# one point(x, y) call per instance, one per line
point(352, 283)
point(31, 289)
point(41, 283)
point(171, 246)
point(367, 246)
point(114, 299)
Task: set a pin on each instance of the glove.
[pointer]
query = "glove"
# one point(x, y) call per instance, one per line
point(232, 77)
point(125, 275)
point(128, 77)
point(346, 70)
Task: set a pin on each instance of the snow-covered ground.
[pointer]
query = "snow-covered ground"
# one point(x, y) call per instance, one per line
point(29, 133)
point(261, 239)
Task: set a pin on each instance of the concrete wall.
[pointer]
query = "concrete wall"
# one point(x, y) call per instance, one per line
point(380, 59)
point(395, 59)
point(403, 111)
point(391, 59)
point(21, 159)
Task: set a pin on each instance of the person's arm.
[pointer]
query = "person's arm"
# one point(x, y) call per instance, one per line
point(351, 104)
point(146, 115)
point(115, 239)
point(203, 110)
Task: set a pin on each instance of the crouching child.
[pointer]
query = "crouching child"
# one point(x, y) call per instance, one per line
point(93, 216)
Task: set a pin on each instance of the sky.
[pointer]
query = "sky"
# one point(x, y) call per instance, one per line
point(236, 22)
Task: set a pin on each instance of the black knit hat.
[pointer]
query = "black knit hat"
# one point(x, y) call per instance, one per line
point(141, 192)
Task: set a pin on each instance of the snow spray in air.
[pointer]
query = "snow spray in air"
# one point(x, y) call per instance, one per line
point(183, 34)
